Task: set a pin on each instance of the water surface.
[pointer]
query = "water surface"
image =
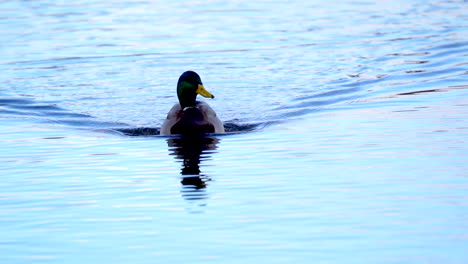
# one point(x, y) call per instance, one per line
point(347, 144)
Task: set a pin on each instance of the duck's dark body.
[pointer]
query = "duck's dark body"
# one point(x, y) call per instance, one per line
point(192, 121)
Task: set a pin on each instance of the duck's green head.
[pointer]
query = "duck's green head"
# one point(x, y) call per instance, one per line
point(188, 87)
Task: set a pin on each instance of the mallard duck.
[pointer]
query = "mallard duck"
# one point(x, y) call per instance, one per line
point(189, 116)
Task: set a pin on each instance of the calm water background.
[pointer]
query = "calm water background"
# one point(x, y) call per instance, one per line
point(349, 145)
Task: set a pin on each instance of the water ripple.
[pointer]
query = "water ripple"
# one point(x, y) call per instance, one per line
point(346, 125)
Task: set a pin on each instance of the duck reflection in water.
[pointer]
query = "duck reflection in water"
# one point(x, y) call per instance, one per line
point(191, 151)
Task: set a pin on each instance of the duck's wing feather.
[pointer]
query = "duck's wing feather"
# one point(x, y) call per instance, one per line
point(210, 116)
point(173, 116)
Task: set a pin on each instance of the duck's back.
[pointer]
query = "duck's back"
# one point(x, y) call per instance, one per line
point(199, 119)
point(192, 121)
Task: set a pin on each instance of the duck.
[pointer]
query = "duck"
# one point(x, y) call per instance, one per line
point(189, 116)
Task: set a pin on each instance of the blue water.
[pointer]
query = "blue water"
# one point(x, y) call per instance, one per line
point(347, 143)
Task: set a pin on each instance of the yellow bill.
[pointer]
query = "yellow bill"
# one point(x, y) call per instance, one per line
point(203, 92)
